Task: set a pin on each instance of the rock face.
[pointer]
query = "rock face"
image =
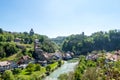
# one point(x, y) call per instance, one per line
point(40, 55)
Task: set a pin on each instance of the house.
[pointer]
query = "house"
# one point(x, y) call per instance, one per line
point(92, 57)
point(112, 57)
point(6, 65)
point(58, 55)
point(67, 56)
point(24, 60)
point(43, 63)
point(17, 40)
point(71, 53)
point(23, 66)
point(117, 52)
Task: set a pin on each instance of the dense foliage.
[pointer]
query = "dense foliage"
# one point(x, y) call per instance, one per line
point(7, 49)
point(94, 70)
point(31, 72)
point(58, 40)
point(81, 44)
point(8, 75)
point(47, 45)
point(25, 41)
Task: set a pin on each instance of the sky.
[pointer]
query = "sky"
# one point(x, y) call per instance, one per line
point(59, 17)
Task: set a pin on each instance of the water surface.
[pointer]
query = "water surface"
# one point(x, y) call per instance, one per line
point(65, 68)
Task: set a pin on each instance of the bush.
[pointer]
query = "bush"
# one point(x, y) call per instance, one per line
point(30, 68)
point(59, 63)
point(37, 67)
point(16, 71)
point(8, 75)
point(63, 77)
point(35, 77)
point(48, 68)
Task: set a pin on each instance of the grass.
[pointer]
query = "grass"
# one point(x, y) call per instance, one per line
point(26, 74)
point(54, 65)
point(17, 55)
point(40, 73)
point(12, 57)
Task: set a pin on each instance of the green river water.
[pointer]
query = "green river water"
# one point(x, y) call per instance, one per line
point(65, 68)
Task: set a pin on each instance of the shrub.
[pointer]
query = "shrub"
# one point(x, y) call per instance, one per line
point(8, 75)
point(30, 68)
point(37, 67)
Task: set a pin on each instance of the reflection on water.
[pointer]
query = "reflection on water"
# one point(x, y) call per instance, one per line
point(67, 67)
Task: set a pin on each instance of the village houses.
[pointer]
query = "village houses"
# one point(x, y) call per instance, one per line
point(6, 65)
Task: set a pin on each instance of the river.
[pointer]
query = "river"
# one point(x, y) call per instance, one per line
point(65, 68)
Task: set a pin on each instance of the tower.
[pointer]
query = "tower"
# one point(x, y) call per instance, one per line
point(36, 44)
point(31, 32)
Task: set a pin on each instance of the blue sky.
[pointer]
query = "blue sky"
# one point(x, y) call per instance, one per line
point(59, 17)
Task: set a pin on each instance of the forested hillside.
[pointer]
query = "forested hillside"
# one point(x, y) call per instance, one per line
point(14, 42)
point(81, 44)
point(58, 40)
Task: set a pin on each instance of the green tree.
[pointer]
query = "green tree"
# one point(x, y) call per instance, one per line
point(2, 52)
point(7, 75)
point(59, 63)
point(63, 77)
point(16, 71)
point(2, 38)
point(10, 48)
point(30, 68)
point(90, 74)
point(1, 31)
point(9, 37)
point(37, 67)
point(48, 68)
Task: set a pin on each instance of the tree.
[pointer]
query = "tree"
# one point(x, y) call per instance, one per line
point(1, 31)
point(9, 37)
point(10, 48)
point(48, 68)
point(26, 40)
point(2, 52)
point(90, 74)
point(24, 51)
point(2, 38)
point(82, 44)
point(37, 67)
point(30, 68)
point(59, 63)
point(7, 75)
point(16, 71)
point(63, 77)
point(25, 33)
point(35, 77)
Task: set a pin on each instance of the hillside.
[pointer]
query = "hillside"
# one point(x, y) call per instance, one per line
point(58, 40)
point(82, 44)
point(22, 44)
